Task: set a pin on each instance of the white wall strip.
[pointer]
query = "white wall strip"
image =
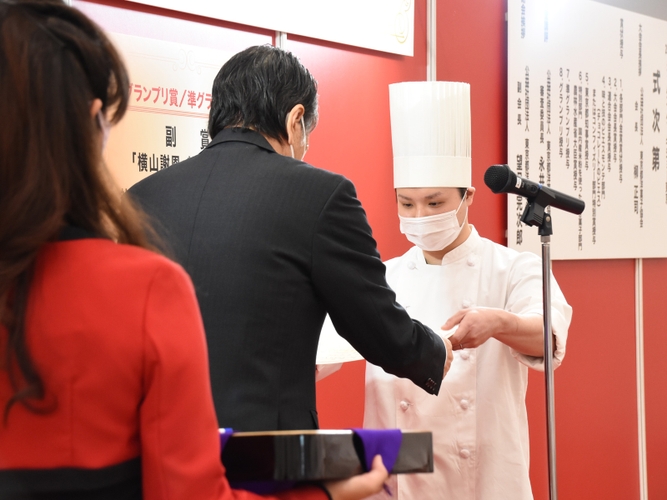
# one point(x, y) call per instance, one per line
point(641, 406)
point(431, 23)
point(281, 40)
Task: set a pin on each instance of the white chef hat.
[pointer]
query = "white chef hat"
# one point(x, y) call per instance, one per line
point(430, 131)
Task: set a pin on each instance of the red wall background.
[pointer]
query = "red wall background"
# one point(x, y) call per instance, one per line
point(596, 395)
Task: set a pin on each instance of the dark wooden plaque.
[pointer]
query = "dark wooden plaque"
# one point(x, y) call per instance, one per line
point(314, 455)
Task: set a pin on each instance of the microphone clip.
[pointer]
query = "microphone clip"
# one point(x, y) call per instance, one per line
point(535, 213)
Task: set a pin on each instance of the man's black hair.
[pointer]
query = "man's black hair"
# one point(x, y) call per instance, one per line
point(257, 88)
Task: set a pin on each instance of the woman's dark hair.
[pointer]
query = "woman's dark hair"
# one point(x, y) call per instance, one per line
point(257, 88)
point(54, 62)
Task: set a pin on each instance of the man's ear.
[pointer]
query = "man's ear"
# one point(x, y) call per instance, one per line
point(294, 132)
point(470, 196)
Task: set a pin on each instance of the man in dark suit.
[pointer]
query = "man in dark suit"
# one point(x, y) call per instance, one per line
point(273, 244)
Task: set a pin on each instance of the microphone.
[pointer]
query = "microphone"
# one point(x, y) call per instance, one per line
point(500, 179)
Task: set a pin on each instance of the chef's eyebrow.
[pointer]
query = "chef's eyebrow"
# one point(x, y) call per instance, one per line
point(429, 197)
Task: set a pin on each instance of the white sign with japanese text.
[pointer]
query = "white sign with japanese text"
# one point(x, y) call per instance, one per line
point(384, 25)
point(170, 97)
point(587, 112)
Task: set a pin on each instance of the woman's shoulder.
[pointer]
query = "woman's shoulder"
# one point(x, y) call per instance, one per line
point(105, 259)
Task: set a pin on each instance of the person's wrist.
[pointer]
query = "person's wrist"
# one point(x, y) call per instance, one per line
point(507, 326)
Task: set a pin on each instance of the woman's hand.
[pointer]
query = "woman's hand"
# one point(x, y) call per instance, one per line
point(360, 486)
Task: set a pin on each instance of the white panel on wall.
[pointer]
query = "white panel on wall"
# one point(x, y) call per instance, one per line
point(385, 25)
point(587, 111)
point(167, 117)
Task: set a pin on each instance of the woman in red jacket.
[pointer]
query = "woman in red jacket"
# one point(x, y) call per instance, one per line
point(104, 389)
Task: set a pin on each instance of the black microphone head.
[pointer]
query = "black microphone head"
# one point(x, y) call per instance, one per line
point(499, 178)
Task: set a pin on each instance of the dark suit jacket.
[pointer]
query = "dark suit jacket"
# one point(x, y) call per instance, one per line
point(272, 244)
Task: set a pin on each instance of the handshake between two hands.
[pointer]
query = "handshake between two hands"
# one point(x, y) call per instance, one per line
point(470, 328)
point(446, 334)
point(471, 333)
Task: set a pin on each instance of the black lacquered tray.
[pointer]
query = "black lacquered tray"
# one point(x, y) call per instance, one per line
point(314, 455)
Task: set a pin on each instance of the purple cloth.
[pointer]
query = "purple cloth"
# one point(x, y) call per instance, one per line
point(224, 436)
point(384, 442)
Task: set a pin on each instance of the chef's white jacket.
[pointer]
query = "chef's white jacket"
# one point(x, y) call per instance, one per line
point(479, 422)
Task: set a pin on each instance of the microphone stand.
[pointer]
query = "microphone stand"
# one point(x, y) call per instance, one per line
point(535, 215)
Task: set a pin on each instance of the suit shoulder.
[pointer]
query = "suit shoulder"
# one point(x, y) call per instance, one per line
point(173, 175)
point(315, 173)
point(321, 184)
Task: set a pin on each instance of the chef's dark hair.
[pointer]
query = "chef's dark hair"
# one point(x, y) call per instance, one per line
point(257, 88)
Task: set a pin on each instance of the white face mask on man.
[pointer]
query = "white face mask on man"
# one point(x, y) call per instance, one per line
point(434, 232)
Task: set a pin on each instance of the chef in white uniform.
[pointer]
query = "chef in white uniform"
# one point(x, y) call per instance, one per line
point(454, 278)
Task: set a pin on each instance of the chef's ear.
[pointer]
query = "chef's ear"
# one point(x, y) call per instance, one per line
point(470, 196)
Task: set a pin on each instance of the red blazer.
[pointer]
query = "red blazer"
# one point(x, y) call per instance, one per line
point(116, 334)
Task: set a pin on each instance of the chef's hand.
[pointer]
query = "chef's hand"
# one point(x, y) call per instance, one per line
point(476, 326)
point(450, 356)
point(523, 333)
point(361, 486)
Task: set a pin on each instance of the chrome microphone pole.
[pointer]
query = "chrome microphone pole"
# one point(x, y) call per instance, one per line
point(536, 215)
point(502, 180)
point(548, 359)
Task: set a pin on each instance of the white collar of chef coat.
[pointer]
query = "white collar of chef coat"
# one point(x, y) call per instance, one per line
point(463, 251)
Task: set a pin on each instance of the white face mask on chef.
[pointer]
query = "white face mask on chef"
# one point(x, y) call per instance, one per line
point(304, 142)
point(434, 232)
